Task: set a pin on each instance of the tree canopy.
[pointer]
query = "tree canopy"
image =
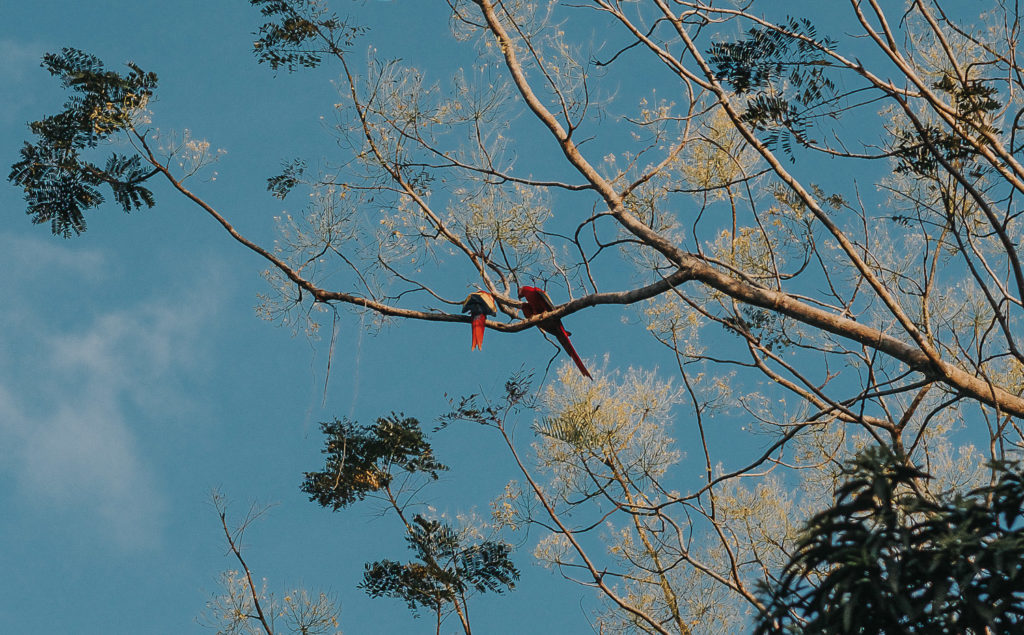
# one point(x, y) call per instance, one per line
point(816, 217)
point(892, 559)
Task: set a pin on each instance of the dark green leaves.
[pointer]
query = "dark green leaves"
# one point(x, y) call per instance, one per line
point(974, 99)
point(768, 56)
point(785, 75)
point(279, 186)
point(361, 460)
point(299, 34)
point(124, 174)
point(104, 103)
point(922, 149)
point(445, 568)
point(885, 559)
point(59, 184)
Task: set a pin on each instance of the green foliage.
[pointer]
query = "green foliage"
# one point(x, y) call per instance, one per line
point(919, 152)
point(765, 326)
point(974, 99)
point(886, 558)
point(282, 184)
point(572, 427)
point(59, 184)
point(477, 409)
point(289, 39)
point(922, 150)
point(765, 57)
point(445, 568)
point(784, 73)
point(360, 459)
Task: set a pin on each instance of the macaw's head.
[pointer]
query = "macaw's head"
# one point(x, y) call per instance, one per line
point(524, 292)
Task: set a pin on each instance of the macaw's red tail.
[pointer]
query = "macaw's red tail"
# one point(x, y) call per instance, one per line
point(479, 304)
point(478, 331)
point(563, 339)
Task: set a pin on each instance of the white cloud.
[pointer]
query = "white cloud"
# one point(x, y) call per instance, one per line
point(74, 402)
point(127, 349)
point(83, 459)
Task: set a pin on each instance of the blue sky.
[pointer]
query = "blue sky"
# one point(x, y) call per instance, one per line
point(137, 377)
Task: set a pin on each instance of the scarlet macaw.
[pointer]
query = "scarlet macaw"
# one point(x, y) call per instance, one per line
point(538, 302)
point(479, 305)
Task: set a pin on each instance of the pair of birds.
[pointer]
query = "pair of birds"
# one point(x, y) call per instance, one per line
point(480, 304)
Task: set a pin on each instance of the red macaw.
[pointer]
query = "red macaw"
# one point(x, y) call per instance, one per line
point(538, 302)
point(479, 305)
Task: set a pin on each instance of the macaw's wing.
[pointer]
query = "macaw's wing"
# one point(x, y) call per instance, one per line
point(480, 303)
point(544, 301)
point(536, 301)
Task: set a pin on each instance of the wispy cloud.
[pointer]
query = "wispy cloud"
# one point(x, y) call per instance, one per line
point(73, 398)
point(82, 462)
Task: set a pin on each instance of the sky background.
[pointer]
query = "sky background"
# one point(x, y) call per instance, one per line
point(136, 376)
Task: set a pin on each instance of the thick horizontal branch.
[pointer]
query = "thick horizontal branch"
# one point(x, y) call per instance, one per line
point(323, 295)
point(615, 297)
point(873, 338)
point(917, 356)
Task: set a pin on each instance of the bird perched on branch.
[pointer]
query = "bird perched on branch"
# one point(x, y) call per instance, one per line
point(538, 302)
point(479, 305)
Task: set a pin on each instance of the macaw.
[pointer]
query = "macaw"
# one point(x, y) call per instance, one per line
point(479, 305)
point(538, 302)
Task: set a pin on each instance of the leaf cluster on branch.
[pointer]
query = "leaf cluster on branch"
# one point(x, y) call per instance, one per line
point(59, 183)
point(386, 461)
point(888, 557)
